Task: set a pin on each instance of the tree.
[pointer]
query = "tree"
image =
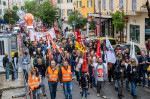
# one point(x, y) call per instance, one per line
point(15, 8)
point(47, 13)
point(92, 25)
point(11, 16)
point(119, 21)
point(80, 22)
point(31, 7)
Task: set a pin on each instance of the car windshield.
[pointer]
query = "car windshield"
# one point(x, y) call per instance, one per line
point(112, 42)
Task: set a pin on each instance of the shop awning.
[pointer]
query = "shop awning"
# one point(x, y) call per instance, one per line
point(2, 22)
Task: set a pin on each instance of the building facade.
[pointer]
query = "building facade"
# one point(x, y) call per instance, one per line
point(3, 7)
point(137, 26)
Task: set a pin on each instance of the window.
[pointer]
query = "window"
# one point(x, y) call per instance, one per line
point(79, 3)
point(2, 50)
point(69, 11)
point(89, 3)
point(134, 5)
point(0, 11)
point(104, 5)
point(135, 33)
point(147, 29)
point(63, 12)
point(98, 4)
point(111, 4)
point(0, 1)
point(69, 1)
point(60, 1)
point(121, 4)
point(13, 43)
point(59, 12)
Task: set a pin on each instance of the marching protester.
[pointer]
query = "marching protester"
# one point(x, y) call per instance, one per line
point(101, 76)
point(133, 74)
point(41, 70)
point(25, 62)
point(52, 73)
point(35, 83)
point(66, 79)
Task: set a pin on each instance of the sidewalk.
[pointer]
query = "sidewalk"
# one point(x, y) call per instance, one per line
point(6, 85)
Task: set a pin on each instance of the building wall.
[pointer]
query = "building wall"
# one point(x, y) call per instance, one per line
point(84, 8)
point(3, 8)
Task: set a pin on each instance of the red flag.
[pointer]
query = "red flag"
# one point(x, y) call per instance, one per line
point(50, 54)
point(84, 63)
point(35, 40)
point(98, 52)
point(55, 45)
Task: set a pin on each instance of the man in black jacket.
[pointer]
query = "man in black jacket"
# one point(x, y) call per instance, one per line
point(41, 69)
point(6, 60)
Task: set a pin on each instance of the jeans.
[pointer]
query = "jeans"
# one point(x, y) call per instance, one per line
point(120, 86)
point(36, 92)
point(68, 89)
point(145, 72)
point(7, 74)
point(52, 88)
point(16, 73)
point(127, 83)
point(84, 90)
point(133, 85)
point(25, 75)
point(43, 84)
point(110, 75)
point(101, 87)
point(77, 76)
point(116, 84)
point(92, 80)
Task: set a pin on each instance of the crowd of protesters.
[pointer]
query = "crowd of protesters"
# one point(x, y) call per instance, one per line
point(65, 67)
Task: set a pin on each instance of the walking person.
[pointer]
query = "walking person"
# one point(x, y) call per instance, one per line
point(84, 83)
point(41, 70)
point(52, 75)
point(133, 74)
point(5, 61)
point(15, 63)
point(101, 75)
point(34, 83)
point(66, 79)
point(25, 62)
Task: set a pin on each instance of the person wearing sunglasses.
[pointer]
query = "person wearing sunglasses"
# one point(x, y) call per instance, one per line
point(133, 74)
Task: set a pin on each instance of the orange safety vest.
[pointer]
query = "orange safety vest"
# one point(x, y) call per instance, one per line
point(66, 74)
point(34, 83)
point(53, 74)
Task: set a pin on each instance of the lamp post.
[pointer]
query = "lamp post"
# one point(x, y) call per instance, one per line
point(74, 5)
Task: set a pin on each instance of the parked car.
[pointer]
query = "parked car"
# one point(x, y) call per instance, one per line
point(127, 46)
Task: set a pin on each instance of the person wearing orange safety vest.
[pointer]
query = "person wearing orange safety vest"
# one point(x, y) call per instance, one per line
point(34, 83)
point(66, 79)
point(52, 75)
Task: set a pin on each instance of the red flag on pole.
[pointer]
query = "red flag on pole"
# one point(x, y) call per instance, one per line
point(98, 52)
point(49, 50)
point(84, 63)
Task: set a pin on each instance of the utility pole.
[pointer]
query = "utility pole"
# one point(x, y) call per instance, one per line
point(100, 18)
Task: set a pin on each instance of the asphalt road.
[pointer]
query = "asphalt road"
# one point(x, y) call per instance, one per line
point(142, 93)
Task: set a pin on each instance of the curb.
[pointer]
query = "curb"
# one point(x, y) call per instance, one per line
point(4, 89)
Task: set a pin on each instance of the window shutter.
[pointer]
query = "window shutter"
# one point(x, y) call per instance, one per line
point(67, 12)
point(91, 3)
point(0, 11)
point(121, 4)
point(98, 5)
point(104, 4)
point(80, 4)
point(77, 4)
point(71, 1)
point(111, 4)
point(67, 1)
point(134, 5)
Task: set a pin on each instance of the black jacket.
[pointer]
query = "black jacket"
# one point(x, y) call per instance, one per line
point(5, 60)
point(84, 81)
point(135, 73)
point(41, 69)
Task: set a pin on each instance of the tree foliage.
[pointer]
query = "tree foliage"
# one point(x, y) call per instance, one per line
point(45, 11)
point(11, 16)
point(15, 8)
point(119, 20)
point(92, 25)
point(80, 22)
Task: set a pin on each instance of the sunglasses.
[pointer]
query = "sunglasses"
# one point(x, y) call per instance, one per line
point(132, 61)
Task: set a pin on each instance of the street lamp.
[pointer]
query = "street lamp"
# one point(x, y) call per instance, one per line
point(74, 23)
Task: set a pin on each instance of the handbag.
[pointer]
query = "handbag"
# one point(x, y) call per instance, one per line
point(148, 69)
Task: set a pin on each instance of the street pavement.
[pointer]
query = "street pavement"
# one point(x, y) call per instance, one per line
point(142, 93)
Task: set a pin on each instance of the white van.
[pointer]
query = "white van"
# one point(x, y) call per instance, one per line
point(15, 30)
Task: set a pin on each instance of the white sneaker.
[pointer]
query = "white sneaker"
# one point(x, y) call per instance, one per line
point(104, 97)
point(98, 95)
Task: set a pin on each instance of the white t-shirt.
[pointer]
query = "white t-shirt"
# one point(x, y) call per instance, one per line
point(100, 73)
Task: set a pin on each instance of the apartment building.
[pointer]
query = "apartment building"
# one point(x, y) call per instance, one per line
point(138, 24)
point(85, 7)
point(65, 8)
point(3, 7)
